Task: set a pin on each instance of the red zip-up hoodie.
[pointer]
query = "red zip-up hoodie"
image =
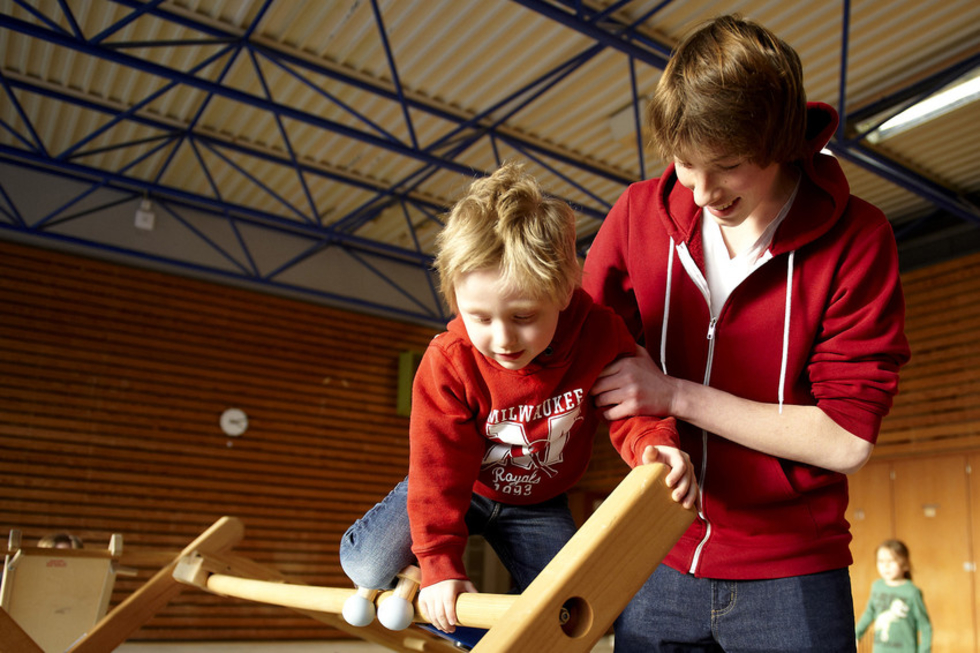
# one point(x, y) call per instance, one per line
point(821, 323)
point(514, 436)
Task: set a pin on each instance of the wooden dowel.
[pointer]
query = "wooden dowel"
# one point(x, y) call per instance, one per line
point(303, 597)
point(476, 610)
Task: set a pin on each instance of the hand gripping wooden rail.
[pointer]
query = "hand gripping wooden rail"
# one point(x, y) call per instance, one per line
point(570, 605)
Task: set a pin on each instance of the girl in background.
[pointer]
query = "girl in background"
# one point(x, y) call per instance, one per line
point(896, 607)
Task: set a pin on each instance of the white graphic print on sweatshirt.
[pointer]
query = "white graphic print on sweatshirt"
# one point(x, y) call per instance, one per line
point(518, 440)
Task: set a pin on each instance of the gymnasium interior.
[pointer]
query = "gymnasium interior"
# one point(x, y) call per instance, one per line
point(217, 228)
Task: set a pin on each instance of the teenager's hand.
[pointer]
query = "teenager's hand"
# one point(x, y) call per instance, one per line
point(681, 477)
point(438, 602)
point(634, 386)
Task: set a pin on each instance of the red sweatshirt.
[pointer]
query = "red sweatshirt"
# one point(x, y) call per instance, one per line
point(513, 436)
point(839, 347)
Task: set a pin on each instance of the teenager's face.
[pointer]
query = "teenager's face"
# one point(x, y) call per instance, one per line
point(732, 189)
point(504, 325)
point(890, 567)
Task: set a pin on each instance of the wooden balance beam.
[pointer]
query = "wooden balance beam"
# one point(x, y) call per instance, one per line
point(567, 609)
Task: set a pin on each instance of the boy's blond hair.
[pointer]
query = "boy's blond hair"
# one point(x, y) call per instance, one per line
point(506, 221)
point(731, 88)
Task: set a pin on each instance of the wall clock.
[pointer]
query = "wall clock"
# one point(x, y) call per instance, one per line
point(234, 421)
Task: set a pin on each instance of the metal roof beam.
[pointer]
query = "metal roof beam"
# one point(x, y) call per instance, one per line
point(941, 196)
point(210, 205)
point(376, 88)
point(625, 38)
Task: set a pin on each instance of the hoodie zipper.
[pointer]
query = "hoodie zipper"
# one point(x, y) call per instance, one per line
point(704, 449)
point(698, 278)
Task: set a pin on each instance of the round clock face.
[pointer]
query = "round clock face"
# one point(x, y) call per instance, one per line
point(234, 422)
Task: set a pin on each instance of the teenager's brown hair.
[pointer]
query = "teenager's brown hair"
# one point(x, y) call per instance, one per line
point(731, 88)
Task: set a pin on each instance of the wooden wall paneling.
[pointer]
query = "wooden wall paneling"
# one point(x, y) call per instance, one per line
point(973, 468)
point(871, 513)
point(111, 384)
point(932, 517)
point(938, 406)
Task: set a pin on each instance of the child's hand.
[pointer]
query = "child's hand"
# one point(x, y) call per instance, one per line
point(681, 476)
point(438, 602)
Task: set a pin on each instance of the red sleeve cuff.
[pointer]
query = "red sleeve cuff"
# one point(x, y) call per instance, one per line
point(442, 566)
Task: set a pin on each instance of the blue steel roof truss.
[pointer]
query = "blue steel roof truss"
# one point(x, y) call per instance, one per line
point(305, 220)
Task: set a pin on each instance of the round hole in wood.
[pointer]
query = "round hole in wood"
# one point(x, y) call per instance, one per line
point(576, 617)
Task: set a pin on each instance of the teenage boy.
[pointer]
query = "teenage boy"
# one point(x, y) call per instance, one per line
point(768, 303)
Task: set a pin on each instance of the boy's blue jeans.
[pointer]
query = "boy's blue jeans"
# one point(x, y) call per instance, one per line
point(525, 538)
point(676, 612)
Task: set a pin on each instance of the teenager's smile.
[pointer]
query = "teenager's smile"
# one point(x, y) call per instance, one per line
point(723, 210)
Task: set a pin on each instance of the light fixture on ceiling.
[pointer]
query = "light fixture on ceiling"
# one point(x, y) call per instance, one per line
point(954, 96)
point(145, 217)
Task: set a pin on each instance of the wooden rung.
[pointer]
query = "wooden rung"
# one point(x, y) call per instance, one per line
point(476, 610)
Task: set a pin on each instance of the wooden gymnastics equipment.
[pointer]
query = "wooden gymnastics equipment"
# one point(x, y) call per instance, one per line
point(55, 595)
point(127, 617)
point(214, 544)
point(567, 609)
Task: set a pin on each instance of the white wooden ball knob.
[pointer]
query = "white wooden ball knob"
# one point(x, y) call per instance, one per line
point(358, 611)
point(396, 613)
point(359, 608)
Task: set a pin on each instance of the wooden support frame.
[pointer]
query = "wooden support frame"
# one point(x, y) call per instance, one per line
point(130, 615)
point(567, 609)
point(127, 617)
point(13, 639)
point(571, 604)
point(597, 573)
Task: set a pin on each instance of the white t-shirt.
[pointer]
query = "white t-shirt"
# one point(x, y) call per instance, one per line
point(726, 272)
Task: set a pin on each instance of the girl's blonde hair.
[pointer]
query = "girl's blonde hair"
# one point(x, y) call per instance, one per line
point(506, 222)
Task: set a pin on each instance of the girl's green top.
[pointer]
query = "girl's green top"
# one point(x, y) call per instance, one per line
point(900, 619)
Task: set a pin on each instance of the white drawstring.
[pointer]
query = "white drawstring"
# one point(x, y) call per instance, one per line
point(663, 328)
point(786, 318)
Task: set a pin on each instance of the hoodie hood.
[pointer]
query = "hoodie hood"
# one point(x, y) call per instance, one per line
point(821, 201)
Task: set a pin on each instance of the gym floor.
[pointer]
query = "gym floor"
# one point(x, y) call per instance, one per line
point(344, 646)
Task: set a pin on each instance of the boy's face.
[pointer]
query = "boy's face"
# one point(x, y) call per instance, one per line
point(732, 189)
point(505, 326)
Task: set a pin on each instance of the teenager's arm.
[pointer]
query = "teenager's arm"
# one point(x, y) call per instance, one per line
point(636, 386)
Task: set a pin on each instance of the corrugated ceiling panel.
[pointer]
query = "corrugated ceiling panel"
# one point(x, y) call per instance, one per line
point(454, 56)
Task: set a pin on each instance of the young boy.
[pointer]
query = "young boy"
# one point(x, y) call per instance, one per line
point(771, 298)
point(502, 422)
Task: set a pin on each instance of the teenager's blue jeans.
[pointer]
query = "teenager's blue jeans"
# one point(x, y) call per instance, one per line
point(525, 538)
point(676, 612)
